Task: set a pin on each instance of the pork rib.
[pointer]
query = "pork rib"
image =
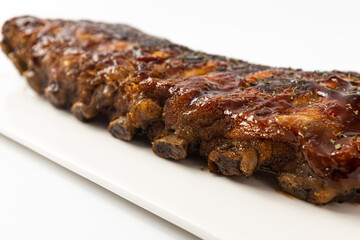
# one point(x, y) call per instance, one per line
point(301, 126)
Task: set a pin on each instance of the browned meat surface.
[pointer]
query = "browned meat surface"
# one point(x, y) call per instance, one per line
point(301, 126)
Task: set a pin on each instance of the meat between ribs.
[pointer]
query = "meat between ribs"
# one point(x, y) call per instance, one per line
point(301, 126)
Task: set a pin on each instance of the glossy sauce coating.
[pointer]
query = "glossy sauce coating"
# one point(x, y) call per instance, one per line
point(317, 112)
point(301, 126)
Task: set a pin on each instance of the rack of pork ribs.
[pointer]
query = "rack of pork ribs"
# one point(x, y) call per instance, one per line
point(300, 126)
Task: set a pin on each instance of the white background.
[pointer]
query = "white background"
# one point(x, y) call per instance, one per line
point(40, 200)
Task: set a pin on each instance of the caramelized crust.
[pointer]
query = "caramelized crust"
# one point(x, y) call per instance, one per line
point(301, 126)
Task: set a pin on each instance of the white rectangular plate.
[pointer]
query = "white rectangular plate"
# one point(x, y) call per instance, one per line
point(207, 205)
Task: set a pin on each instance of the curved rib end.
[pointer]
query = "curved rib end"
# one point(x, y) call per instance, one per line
point(171, 147)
